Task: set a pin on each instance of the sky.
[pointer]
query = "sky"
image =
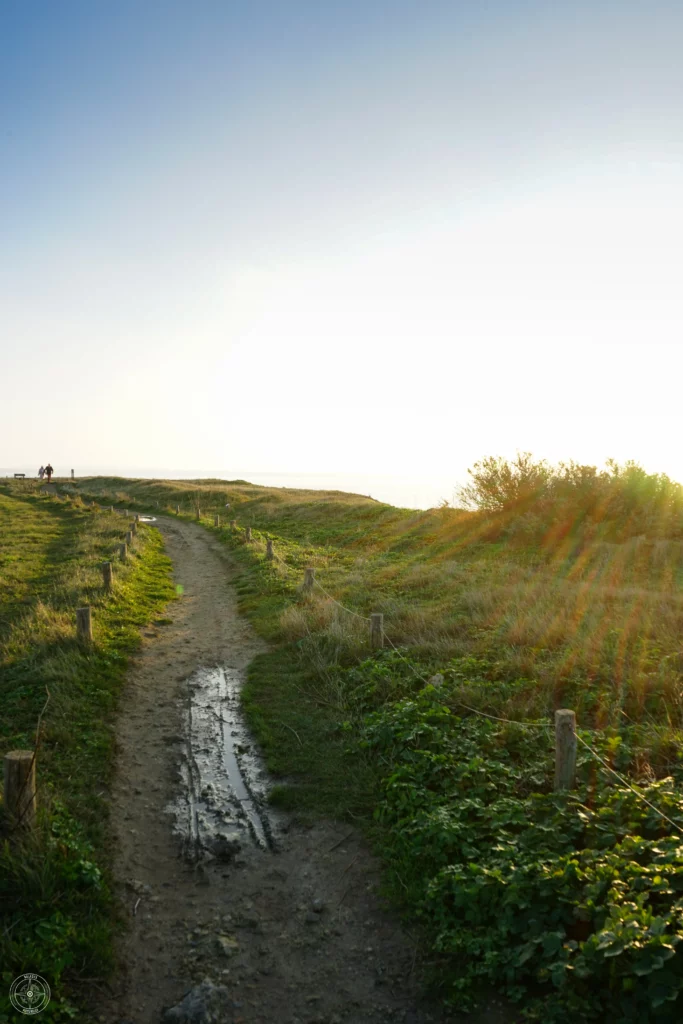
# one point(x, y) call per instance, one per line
point(364, 241)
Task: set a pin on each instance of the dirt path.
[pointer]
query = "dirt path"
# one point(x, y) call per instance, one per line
point(283, 922)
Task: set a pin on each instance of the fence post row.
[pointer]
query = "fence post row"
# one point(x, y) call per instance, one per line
point(565, 749)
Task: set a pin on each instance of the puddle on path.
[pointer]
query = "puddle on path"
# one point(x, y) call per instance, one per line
point(223, 782)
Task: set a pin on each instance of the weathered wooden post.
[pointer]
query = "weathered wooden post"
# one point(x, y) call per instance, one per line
point(309, 580)
point(565, 749)
point(111, 508)
point(233, 524)
point(84, 623)
point(129, 538)
point(216, 520)
point(269, 550)
point(177, 510)
point(123, 552)
point(108, 575)
point(20, 787)
point(137, 517)
point(376, 630)
point(248, 534)
point(72, 475)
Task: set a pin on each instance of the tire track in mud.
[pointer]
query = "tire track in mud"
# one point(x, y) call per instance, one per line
point(282, 923)
point(225, 782)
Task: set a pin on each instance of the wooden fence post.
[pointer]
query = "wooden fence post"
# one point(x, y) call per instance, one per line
point(108, 575)
point(72, 475)
point(233, 524)
point(111, 508)
point(216, 520)
point(123, 552)
point(20, 787)
point(137, 517)
point(177, 510)
point(129, 538)
point(134, 529)
point(309, 579)
point(84, 623)
point(248, 534)
point(199, 514)
point(376, 630)
point(269, 550)
point(565, 749)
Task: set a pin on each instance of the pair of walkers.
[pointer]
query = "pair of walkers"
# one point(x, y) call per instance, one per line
point(46, 471)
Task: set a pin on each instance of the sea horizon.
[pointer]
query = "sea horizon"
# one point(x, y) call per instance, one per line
point(402, 492)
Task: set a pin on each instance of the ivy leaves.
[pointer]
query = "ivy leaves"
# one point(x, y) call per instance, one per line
point(571, 903)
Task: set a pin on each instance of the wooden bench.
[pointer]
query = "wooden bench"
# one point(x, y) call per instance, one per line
point(20, 476)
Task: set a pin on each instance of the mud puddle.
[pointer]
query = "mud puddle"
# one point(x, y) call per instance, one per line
point(224, 786)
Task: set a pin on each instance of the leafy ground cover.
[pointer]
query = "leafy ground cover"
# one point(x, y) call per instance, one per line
point(56, 912)
point(570, 905)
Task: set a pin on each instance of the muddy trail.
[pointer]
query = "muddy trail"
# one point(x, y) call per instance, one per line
point(234, 914)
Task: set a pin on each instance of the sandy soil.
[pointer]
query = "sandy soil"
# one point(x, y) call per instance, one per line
point(290, 930)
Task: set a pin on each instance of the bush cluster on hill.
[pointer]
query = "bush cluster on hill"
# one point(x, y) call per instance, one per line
point(528, 496)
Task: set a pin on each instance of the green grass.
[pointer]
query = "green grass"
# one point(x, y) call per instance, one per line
point(57, 911)
point(568, 904)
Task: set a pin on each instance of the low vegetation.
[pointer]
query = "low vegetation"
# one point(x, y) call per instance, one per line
point(550, 587)
point(56, 911)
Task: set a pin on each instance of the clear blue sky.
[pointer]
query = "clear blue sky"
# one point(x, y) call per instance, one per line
point(261, 235)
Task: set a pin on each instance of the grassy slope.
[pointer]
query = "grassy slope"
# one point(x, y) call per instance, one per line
point(57, 912)
point(596, 629)
point(516, 631)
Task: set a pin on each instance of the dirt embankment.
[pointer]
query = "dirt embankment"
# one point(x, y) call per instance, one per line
point(283, 922)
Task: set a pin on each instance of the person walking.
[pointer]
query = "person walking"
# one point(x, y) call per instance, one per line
point(41, 472)
point(49, 471)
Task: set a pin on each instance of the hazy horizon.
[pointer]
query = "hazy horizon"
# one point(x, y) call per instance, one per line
point(385, 237)
point(402, 492)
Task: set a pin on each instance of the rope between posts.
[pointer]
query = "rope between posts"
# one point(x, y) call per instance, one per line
point(482, 714)
point(623, 781)
point(284, 564)
point(363, 618)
